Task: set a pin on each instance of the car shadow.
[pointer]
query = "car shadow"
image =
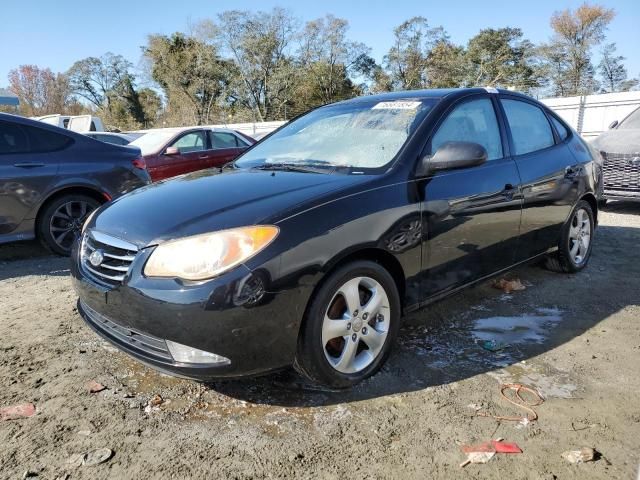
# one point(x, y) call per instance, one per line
point(453, 339)
point(621, 206)
point(19, 259)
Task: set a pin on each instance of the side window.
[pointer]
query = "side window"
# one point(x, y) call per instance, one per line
point(43, 141)
point(223, 140)
point(563, 133)
point(473, 121)
point(13, 139)
point(191, 142)
point(529, 126)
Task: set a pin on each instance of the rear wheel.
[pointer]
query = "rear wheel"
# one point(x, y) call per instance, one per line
point(350, 326)
point(61, 221)
point(576, 238)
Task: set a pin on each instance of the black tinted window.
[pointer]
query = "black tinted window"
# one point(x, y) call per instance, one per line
point(13, 138)
point(529, 126)
point(560, 128)
point(474, 121)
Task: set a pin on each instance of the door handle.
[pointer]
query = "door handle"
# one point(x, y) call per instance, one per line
point(28, 165)
point(201, 157)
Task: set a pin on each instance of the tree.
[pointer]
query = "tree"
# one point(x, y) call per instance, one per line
point(576, 33)
point(259, 44)
point(95, 79)
point(188, 70)
point(446, 65)
point(407, 59)
point(501, 58)
point(40, 91)
point(328, 60)
point(613, 71)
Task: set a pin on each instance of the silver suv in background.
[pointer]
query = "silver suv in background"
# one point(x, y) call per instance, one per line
point(620, 150)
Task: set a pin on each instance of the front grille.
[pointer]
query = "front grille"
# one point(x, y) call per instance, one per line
point(116, 255)
point(621, 171)
point(130, 337)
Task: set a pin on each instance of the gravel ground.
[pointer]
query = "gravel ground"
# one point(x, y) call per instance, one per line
point(575, 338)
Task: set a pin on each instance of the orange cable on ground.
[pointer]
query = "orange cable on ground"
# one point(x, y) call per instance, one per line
point(521, 404)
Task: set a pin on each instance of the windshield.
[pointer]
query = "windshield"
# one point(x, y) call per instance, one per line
point(632, 121)
point(152, 141)
point(358, 135)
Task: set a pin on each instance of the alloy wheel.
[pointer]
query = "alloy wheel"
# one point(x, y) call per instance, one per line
point(355, 325)
point(579, 236)
point(66, 222)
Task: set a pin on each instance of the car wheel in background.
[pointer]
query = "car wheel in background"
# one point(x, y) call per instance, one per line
point(350, 325)
point(576, 241)
point(60, 223)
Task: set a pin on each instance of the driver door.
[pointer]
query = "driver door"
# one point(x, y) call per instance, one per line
point(191, 155)
point(471, 215)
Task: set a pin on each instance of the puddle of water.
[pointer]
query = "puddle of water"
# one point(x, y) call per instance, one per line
point(519, 329)
point(554, 384)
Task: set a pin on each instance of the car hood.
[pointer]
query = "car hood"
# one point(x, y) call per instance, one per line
point(618, 141)
point(208, 201)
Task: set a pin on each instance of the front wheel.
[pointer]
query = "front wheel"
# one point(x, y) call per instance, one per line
point(350, 326)
point(576, 240)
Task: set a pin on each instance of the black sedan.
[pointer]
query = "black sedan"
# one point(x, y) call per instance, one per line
point(52, 178)
point(309, 250)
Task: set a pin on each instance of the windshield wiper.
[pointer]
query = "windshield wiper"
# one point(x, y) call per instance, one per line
point(297, 167)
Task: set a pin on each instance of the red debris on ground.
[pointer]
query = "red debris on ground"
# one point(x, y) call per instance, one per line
point(95, 387)
point(18, 411)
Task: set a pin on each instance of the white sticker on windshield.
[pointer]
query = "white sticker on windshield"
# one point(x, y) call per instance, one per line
point(396, 106)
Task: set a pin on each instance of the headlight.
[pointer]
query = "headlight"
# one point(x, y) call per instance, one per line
point(208, 255)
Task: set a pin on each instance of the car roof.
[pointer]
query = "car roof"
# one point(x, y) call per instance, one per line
point(9, 117)
point(437, 93)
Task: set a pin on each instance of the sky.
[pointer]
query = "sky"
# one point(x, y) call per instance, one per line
point(54, 34)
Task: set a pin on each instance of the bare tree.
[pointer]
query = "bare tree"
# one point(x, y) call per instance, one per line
point(613, 71)
point(40, 91)
point(576, 33)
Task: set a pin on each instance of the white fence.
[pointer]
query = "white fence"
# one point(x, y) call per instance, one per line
point(255, 130)
point(591, 115)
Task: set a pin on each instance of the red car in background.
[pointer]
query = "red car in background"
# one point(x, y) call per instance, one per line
point(168, 152)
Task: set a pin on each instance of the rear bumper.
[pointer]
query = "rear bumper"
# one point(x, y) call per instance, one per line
point(257, 333)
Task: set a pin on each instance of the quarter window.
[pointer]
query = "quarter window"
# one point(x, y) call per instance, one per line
point(563, 133)
point(474, 121)
point(191, 142)
point(529, 126)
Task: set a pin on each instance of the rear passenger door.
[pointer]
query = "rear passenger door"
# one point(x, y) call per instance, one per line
point(28, 167)
point(472, 214)
point(225, 148)
point(550, 173)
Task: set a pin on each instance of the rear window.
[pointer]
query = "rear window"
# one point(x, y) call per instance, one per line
point(16, 138)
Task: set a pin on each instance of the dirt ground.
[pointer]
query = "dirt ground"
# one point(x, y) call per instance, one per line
point(574, 338)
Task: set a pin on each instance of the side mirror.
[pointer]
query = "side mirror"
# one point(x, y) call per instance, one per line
point(453, 155)
point(172, 151)
point(613, 124)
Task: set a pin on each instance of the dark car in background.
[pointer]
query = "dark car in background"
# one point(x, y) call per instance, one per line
point(51, 179)
point(112, 137)
point(620, 150)
point(169, 152)
point(312, 247)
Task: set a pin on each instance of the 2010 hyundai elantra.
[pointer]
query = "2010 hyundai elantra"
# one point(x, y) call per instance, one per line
point(308, 250)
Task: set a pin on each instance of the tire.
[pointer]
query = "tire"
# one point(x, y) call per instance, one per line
point(60, 223)
point(572, 256)
point(327, 352)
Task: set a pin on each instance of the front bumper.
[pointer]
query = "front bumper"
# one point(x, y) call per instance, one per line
point(257, 333)
point(629, 196)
